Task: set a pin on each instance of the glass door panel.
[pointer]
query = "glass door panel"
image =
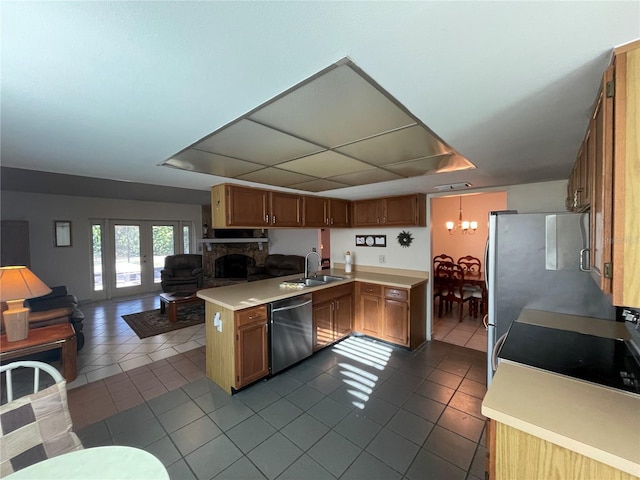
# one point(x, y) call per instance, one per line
point(163, 239)
point(127, 256)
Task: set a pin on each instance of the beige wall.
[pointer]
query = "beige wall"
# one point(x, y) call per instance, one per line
point(474, 207)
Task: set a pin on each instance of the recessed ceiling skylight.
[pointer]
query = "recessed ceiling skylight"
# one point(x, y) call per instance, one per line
point(336, 129)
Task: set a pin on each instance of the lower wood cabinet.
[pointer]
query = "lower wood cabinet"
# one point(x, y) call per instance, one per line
point(369, 315)
point(395, 315)
point(332, 315)
point(514, 454)
point(237, 352)
point(252, 356)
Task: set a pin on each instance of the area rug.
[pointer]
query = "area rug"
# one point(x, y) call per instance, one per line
point(152, 322)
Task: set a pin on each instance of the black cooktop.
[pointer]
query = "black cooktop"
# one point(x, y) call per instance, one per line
point(600, 360)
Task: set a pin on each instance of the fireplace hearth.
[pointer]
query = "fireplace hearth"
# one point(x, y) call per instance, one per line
point(233, 265)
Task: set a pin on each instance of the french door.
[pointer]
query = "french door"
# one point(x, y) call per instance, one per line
point(132, 255)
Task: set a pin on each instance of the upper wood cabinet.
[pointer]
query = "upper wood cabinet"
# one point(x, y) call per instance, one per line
point(326, 212)
point(605, 179)
point(236, 206)
point(404, 210)
point(626, 176)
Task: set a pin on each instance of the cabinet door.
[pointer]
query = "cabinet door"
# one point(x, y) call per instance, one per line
point(371, 314)
point(322, 325)
point(602, 195)
point(246, 207)
point(396, 322)
point(400, 210)
point(286, 210)
point(366, 213)
point(251, 353)
point(343, 316)
point(339, 212)
point(316, 211)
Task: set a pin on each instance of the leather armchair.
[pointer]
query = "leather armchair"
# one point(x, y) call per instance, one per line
point(276, 265)
point(182, 272)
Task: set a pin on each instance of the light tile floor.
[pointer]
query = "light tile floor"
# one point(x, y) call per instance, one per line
point(470, 333)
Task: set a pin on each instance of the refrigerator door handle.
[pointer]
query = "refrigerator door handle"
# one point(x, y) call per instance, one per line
point(582, 262)
point(496, 349)
point(485, 321)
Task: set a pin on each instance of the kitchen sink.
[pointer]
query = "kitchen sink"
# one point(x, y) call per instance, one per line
point(312, 281)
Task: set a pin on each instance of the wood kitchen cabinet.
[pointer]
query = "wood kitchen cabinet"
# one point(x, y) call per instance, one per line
point(601, 213)
point(237, 354)
point(369, 312)
point(332, 315)
point(404, 210)
point(626, 183)
point(395, 315)
point(251, 355)
point(326, 212)
point(516, 454)
point(395, 324)
point(237, 206)
point(604, 179)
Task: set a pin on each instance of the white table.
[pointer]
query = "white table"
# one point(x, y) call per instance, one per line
point(99, 463)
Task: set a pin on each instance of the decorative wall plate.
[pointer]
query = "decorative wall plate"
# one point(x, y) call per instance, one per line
point(404, 239)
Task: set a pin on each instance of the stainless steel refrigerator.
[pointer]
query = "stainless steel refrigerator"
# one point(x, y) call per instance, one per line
point(538, 261)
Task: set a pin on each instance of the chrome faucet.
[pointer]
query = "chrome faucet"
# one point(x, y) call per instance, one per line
point(306, 265)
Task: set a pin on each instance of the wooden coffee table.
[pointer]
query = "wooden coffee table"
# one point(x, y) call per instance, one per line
point(173, 299)
point(41, 339)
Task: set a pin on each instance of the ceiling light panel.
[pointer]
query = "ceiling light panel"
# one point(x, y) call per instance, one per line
point(319, 185)
point(275, 176)
point(366, 177)
point(212, 164)
point(325, 164)
point(421, 166)
point(397, 146)
point(333, 109)
point(251, 141)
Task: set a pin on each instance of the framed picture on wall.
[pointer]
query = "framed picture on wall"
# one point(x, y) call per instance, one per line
point(62, 233)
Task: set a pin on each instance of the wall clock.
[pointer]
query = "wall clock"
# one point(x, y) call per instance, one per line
point(404, 239)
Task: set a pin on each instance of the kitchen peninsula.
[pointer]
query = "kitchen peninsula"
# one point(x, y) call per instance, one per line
point(388, 306)
point(550, 426)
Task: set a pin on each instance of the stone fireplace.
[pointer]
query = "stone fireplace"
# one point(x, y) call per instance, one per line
point(233, 266)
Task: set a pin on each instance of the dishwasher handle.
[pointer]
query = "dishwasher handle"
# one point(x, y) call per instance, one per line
point(291, 307)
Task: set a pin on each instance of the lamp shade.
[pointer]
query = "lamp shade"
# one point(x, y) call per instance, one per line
point(18, 282)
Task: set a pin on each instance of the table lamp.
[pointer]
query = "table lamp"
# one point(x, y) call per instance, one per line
point(18, 283)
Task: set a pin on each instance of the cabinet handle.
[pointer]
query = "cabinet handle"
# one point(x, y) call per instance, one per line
point(384, 219)
point(255, 315)
point(377, 219)
point(331, 221)
point(274, 219)
point(266, 218)
point(582, 252)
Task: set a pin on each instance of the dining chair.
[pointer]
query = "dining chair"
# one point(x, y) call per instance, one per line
point(471, 264)
point(36, 426)
point(437, 260)
point(451, 278)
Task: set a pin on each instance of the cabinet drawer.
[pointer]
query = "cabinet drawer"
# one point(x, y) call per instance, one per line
point(370, 289)
point(251, 315)
point(396, 293)
point(332, 293)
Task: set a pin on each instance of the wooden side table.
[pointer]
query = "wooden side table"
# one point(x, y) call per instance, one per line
point(42, 339)
point(173, 299)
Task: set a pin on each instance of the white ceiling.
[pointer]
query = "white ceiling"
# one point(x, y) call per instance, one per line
point(113, 89)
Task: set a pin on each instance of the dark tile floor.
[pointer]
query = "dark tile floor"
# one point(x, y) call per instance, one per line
point(357, 410)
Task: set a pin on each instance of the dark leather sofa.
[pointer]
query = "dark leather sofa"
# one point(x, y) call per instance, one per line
point(182, 272)
point(56, 307)
point(276, 265)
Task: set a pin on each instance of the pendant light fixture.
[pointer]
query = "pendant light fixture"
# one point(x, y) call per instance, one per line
point(463, 225)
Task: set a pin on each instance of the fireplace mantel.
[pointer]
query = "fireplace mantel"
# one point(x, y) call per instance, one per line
point(233, 240)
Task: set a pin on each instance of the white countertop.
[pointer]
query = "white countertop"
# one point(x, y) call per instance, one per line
point(598, 422)
point(251, 294)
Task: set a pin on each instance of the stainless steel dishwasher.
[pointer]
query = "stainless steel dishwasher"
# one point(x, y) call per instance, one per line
point(291, 330)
